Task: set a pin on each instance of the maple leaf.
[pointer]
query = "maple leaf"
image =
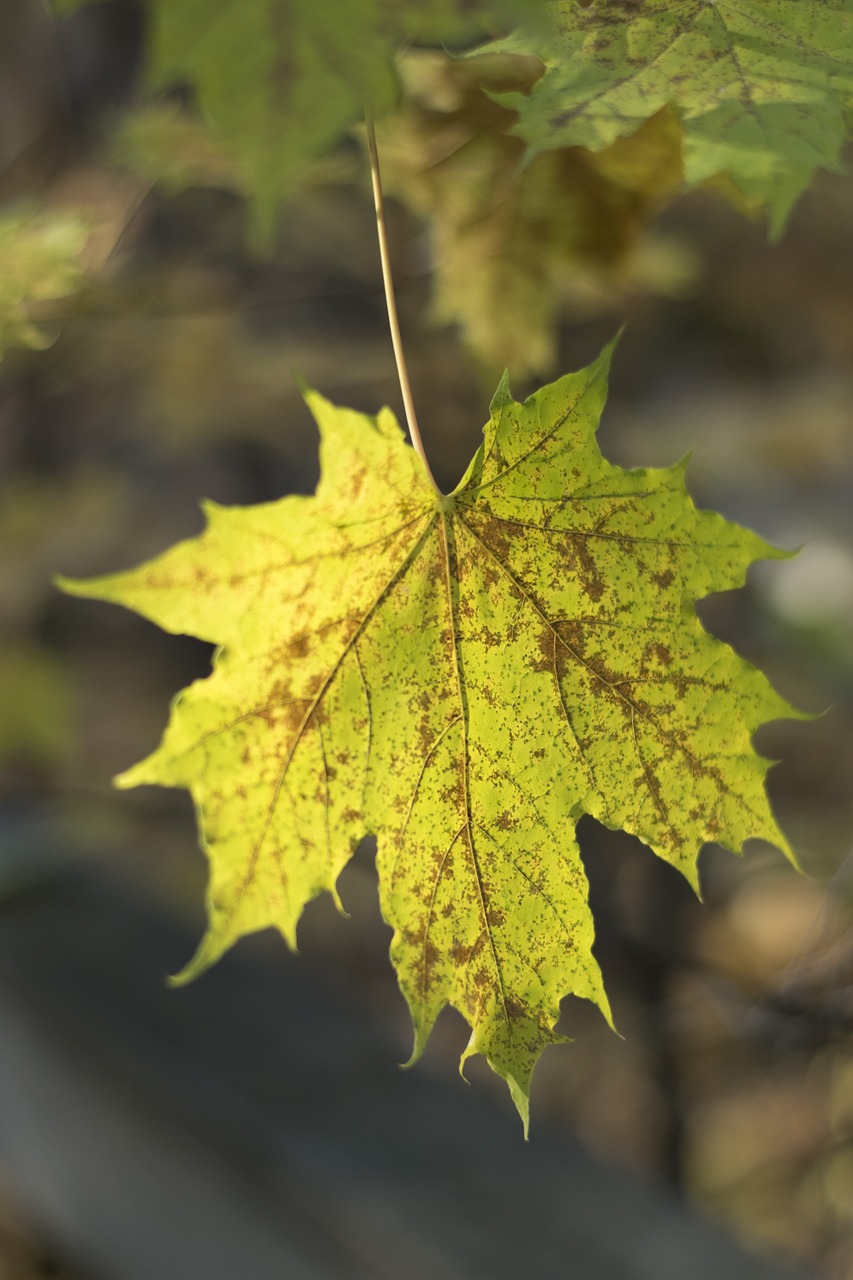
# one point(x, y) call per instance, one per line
point(763, 87)
point(464, 676)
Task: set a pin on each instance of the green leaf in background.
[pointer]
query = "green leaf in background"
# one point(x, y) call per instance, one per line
point(465, 677)
point(762, 87)
point(282, 80)
point(40, 261)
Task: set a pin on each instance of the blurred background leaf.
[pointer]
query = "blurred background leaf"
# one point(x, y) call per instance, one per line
point(40, 260)
point(762, 90)
point(513, 243)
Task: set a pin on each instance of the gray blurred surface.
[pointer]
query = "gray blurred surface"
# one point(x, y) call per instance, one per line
point(247, 1126)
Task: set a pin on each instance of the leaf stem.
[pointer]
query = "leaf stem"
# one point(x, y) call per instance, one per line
point(391, 304)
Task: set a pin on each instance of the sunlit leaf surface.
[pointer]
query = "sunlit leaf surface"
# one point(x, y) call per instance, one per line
point(465, 677)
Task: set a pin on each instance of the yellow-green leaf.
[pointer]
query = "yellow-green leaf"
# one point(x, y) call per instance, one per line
point(763, 87)
point(465, 677)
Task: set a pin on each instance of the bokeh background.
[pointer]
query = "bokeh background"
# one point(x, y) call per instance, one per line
point(171, 373)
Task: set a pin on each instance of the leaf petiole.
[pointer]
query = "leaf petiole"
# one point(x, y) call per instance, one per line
point(391, 304)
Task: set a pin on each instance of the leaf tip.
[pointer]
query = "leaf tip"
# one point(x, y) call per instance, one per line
point(287, 929)
point(519, 1090)
point(210, 508)
point(421, 1037)
point(779, 211)
point(207, 953)
point(469, 1052)
point(784, 553)
point(605, 357)
point(85, 588)
point(521, 1098)
point(189, 972)
point(502, 396)
point(69, 585)
point(792, 858)
point(617, 338)
point(781, 841)
point(603, 1005)
point(140, 775)
point(601, 365)
point(317, 403)
point(339, 906)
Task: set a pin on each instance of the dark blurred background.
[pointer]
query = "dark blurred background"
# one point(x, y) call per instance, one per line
point(172, 374)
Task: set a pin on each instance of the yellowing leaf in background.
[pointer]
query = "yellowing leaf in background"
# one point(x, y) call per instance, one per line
point(762, 87)
point(465, 677)
point(512, 241)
